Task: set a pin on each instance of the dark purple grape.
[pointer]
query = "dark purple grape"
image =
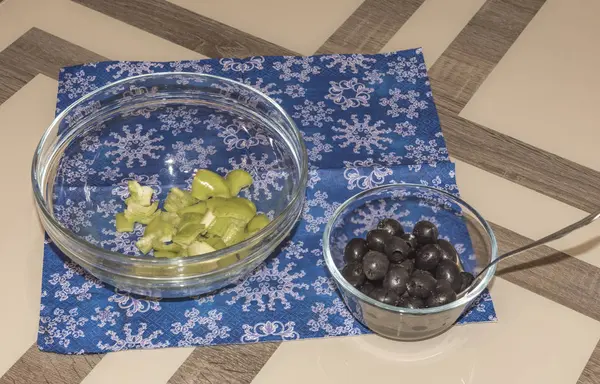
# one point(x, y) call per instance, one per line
point(443, 294)
point(428, 257)
point(353, 273)
point(426, 232)
point(376, 239)
point(465, 280)
point(448, 271)
point(391, 226)
point(355, 250)
point(410, 302)
point(448, 251)
point(396, 280)
point(384, 296)
point(397, 249)
point(378, 293)
point(411, 240)
point(375, 264)
point(367, 287)
point(409, 265)
point(421, 284)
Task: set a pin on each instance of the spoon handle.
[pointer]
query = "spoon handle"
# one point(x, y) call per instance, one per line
point(551, 237)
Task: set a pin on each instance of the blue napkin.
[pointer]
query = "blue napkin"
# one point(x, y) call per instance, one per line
point(367, 120)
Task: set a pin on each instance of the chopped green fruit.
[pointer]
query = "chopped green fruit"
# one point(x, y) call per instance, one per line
point(123, 224)
point(191, 217)
point(183, 253)
point(138, 213)
point(234, 209)
point(208, 218)
point(227, 260)
point(160, 246)
point(199, 248)
point(234, 232)
point(245, 201)
point(237, 180)
point(165, 254)
point(148, 219)
point(178, 199)
point(188, 233)
point(213, 203)
point(207, 184)
point(160, 229)
point(171, 218)
point(219, 226)
point(196, 208)
point(257, 223)
point(144, 244)
point(138, 194)
point(215, 242)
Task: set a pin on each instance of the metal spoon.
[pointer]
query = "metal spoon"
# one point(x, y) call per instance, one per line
point(553, 236)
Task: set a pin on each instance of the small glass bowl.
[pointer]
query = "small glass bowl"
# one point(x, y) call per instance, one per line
point(158, 129)
point(457, 221)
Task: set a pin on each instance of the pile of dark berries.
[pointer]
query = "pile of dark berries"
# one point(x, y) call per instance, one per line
point(411, 270)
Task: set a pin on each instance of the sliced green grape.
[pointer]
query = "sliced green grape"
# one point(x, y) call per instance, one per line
point(138, 194)
point(257, 223)
point(160, 246)
point(138, 213)
point(165, 254)
point(234, 233)
point(199, 248)
point(196, 208)
point(178, 199)
point(207, 184)
point(215, 242)
point(188, 233)
point(123, 224)
point(144, 244)
point(237, 180)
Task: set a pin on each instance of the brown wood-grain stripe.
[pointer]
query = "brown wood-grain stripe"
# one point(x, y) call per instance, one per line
point(186, 28)
point(37, 52)
point(591, 372)
point(42, 367)
point(235, 364)
point(370, 27)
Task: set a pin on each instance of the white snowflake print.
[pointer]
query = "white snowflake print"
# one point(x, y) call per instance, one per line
point(81, 111)
point(390, 159)
point(91, 142)
point(294, 67)
point(317, 147)
point(122, 190)
point(348, 62)
point(214, 122)
point(318, 254)
point(245, 65)
point(313, 113)
point(319, 200)
point(74, 216)
point(128, 69)
point(134, 146)
point(313, 178)
point(361, 134)
point(191, 66)
point(425, 153)
point(131, 341)
point(267, 176)
point(269, 89)
point(324, 286)
point(208, 298)
point(77, 84)
point(373, 77)
point(356, 179)
point(407, 69)
point(267, 286)
point(134, 305)
point(62, 326)
point(349, 93)
point(75, 168)
point(294, 250)
point(199, 159)
point(406, 104)
point(295, 91)
point(209, 328)
point(405, 129)
point(123, 242)
point(242, 135)
point(105, 316)
point(179, 119)
point(269, 328)
point(323, 322)
point(66, 282)
point(109, 208)
point(367, 218)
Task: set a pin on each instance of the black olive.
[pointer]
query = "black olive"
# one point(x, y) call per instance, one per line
point(379, 294)
point(355, 250)
point(411, 240)
point(390, 298)
point(376, 239)
point(448, 271)
point(410, 302)
point(465, 280)
point(443, 294)
point(421, 284)
point(375, 264)
point(409, 265)
point(448, 251)
point(426, 232)
point(428, 257)
point(353, 273)
point(391, 226)
point(396, 280)
point(397, 249)
point(367, 287)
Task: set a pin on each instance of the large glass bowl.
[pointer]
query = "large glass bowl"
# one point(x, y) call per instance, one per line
point(158, 129)
point(457, 221)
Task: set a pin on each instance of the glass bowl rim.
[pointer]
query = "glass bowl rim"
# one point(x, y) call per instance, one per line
point(177, 261)
point(470, 295)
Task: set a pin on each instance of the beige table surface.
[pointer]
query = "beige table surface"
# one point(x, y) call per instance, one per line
point(517, 84)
